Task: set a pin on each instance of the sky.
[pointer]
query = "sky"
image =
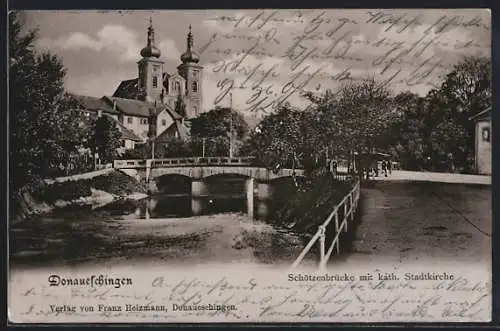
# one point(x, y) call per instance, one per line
point(263, 58)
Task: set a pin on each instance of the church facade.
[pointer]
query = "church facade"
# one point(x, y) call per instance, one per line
point(156, 104)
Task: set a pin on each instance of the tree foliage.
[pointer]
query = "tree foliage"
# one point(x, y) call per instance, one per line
point(106, 138)
point(219, 122)
point(216, 129)
point(353, 119)
point(435, 132)
point(174, 147)
point(431, 132)
point(44, 130)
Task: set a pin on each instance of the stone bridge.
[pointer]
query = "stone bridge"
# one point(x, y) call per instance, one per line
point(198, 168)
point(257, 183)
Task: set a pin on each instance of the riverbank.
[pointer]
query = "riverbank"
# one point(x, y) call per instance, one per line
point(311, 204)
point(94, 192)
point(92, 237)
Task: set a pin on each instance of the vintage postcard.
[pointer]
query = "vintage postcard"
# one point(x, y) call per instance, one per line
point(250, 166)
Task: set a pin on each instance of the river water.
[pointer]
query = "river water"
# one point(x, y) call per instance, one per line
point(158, 228)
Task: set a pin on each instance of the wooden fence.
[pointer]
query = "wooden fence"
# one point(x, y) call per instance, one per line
point(329, 232)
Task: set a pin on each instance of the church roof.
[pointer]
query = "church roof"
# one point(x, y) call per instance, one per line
point(127, 89)
point(141, 108)
point(134, 107)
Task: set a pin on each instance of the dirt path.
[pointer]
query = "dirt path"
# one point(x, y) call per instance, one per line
point(404, 221)
point(438, 177)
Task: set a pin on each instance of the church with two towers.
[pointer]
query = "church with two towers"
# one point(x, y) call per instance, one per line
point(156, 104)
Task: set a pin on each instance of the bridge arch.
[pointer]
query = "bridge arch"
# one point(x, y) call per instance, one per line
point(173, 184)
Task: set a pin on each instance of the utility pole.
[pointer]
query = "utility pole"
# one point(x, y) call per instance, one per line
point(152, 130)
point(203, 149)
point(231, 123)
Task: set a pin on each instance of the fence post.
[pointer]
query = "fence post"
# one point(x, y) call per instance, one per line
point(346, 217)
point(351, 205)
point(322, 230)
point(337, 246)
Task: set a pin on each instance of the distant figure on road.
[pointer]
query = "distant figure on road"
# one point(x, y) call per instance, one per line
point(384, 168)
point(389, 166)
point(333, 167)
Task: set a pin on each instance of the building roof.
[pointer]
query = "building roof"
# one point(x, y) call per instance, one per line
point(485, 114)
point(175, 115)
point(94, 104)
point(178, 127)
point(134, 107)
point(141, 108)
point(127, 89)
point(126, 133)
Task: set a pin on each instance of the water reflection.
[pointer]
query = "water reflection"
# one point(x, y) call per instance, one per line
point(165, 206)
point(80, 234)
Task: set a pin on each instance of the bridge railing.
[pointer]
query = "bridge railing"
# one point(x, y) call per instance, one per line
point(341, 215)
point(129, 164)
point(186, 161)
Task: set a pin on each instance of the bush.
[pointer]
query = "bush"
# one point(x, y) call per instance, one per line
point(117, 183)
point(139, 153)
point(69, 190)
point(312, 203)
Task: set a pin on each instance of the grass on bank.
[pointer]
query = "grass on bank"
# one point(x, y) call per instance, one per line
point(311, 204)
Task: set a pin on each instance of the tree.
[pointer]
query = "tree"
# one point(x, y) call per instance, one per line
point(217, 126)
point(106, 138)
point(173, 147)
point(468, 86)
point(406, 138)
point(435, 132)
point(274, 142)
point(355, 119)
point(217, 123)
point(44, 128)
point(465, 92)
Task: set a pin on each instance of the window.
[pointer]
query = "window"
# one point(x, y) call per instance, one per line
point(486, 134)
point(130, 120)
point(124, 143)
point(195, 86)
point(155, 81)
point(195, 110)
point(144, 121)
point(177, 87)
point(163, 122)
